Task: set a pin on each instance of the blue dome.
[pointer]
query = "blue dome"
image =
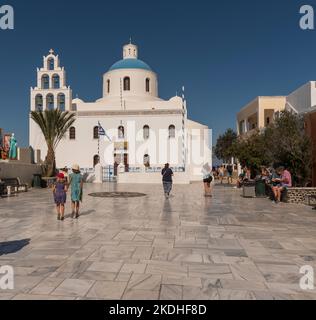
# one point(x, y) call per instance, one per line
point(130, 64)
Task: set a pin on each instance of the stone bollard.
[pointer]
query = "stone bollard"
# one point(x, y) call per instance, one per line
point(98, 173)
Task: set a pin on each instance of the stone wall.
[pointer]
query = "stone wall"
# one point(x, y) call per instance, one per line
point(16, 169)
point(300, 195)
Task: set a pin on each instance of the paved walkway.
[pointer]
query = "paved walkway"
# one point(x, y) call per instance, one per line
point(188, 247)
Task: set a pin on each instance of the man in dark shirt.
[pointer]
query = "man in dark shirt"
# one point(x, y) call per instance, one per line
point(230, 173)
point(167, 175)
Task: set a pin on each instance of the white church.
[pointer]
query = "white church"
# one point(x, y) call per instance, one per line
point(143, 131)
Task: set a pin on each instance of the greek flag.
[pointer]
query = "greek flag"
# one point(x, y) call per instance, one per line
point(102, 131)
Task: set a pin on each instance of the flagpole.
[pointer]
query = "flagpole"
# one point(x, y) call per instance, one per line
point(99, 145)
point(99, 139)
point(183, 130)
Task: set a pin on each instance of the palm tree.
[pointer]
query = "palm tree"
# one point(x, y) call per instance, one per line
point(53, 124)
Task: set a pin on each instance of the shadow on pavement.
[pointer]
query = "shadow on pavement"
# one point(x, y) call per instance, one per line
point(84, 213)
point(13, 246)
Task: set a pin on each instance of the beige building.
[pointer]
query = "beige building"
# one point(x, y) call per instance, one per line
point(259, 113)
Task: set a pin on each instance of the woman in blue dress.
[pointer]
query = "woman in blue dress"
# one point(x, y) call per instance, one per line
point(76, 185)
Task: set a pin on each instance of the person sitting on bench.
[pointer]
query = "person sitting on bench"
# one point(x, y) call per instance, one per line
point(281, 183)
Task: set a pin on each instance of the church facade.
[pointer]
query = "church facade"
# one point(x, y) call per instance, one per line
point(142, 131)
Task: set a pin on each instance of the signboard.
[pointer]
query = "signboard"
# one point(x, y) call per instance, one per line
point(120, 147)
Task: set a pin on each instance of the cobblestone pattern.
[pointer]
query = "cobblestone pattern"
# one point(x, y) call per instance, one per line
point(300, 195)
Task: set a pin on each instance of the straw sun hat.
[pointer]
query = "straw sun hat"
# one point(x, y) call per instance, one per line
point(76, 167)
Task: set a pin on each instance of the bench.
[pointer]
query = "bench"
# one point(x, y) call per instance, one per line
point(15, 184)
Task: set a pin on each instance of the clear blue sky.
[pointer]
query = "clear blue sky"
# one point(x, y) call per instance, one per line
point(225, 53)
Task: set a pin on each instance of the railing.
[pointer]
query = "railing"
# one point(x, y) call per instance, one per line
point(108, 174)
point(87, 170)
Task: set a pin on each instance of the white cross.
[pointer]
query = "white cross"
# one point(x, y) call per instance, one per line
point(51, 51)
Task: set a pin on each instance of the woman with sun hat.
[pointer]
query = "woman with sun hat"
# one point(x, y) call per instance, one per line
point(60, 195)
point(76, 185)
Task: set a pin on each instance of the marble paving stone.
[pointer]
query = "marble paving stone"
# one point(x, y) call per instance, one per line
point(286, 288)
point(73, 288)
point(227, 247)
point(225, 294)
point(212, 271)
point(6, 296)
point(142, 253)
point(171, 292)
point(123, 277)
point(107, 290)
point(41, 297)
point(305, 296)
point(145, 282)
point(95, 275)
point(248, 272)
point(47, 286)
point(268, 295)
point(182, 281)
point(135, 268)
point(167, 269)
point(105, 266)
point(141, 295)
point(193, 293)
point(243, 285)
point(24, 284)
point(183, 257)
point(163, 243)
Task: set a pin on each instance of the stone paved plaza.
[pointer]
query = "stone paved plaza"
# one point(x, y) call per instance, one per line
point(188, 247)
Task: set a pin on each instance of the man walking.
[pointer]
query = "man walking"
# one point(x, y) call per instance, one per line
point(167, 175)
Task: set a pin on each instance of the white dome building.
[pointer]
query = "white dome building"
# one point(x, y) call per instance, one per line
point(132, 76)
point(143, 131)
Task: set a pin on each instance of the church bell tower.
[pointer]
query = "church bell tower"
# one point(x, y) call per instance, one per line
point(51, 91)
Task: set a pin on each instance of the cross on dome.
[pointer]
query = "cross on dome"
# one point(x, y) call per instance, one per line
point(51, 51)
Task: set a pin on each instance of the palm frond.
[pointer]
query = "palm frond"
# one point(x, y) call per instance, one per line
point(54, 124)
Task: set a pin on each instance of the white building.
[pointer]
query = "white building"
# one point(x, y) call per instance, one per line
point(144, 131)
point(303, 99)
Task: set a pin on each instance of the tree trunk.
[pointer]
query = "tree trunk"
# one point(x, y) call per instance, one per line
point(50, 163)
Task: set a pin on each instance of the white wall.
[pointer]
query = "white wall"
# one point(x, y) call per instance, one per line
point(84, 148)
point(138, 83)
point(151, 178)
point(302, 99)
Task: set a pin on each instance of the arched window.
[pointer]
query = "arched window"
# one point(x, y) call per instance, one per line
point(147, 160)
point(108, 84)
point(147, 85)
point(72, 133)
point(121, 132)
point(39, 102)
point(50, 102)
point(51, 64)
point(146, 132)
point(61, 102)
point(96, 132)
point(127, 84)
point(56, 81)
point(96, 160)
point(172, 131)
point(45, 81)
